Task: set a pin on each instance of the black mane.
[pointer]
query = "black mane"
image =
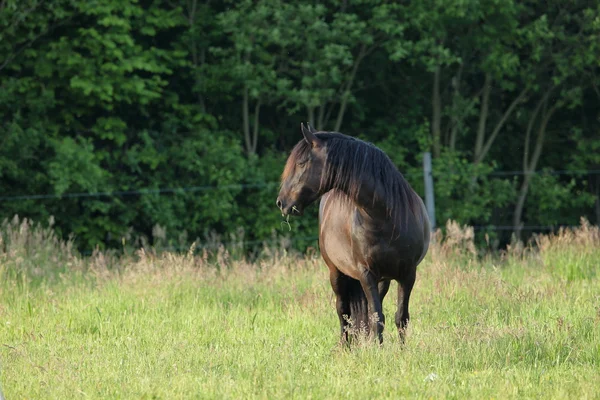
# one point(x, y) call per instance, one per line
point(352, 161)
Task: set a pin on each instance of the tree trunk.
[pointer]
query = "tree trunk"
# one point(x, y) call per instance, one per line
point(348, 87)
point(456, 119)
point(198, 80)
point(511, 108)
point(311, 115)
point(320, 118)
point(246, 121)
point(328, 114)
point(530, 165)
point(256, 126)
point(198, 57)
point(436, 117)
point(483, 146)
point(483, 115)
point(517, 224)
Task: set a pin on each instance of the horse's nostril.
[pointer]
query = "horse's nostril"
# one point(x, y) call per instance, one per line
point(278, 203)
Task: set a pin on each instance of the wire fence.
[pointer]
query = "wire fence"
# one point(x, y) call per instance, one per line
point(262, 185)
point(241, 186)
point(123, 193)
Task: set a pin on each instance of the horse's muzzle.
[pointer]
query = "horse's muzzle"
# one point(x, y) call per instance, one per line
point(287, 209)
point(281, 205)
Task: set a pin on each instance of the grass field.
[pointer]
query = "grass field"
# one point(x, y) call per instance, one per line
point(167, 326)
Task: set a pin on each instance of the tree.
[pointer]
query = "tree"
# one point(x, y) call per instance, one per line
point(185, 110)
point(565, 51)
point(252, 58)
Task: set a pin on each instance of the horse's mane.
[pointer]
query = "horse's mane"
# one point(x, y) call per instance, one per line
point(350, 162)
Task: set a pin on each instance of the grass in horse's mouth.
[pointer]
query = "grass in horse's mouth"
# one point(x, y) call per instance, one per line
point(287, 221)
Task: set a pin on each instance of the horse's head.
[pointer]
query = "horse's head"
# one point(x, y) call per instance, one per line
point(301, 178)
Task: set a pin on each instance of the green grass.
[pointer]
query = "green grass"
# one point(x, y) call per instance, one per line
point(170, 327)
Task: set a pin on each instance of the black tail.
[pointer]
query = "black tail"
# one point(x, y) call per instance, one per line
point(359, 308)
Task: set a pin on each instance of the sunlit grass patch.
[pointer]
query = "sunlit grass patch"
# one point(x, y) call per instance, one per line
point(192, 325)
point(572, 254)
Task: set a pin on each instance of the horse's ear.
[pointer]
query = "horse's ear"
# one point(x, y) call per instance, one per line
point(310, 137)
point(310, 128)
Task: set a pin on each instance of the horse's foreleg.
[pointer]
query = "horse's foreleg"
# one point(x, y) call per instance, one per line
point(342, 306)
point(402, 316)
point(371, 288)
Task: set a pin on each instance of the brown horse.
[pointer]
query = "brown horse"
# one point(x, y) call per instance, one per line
point(373, 227)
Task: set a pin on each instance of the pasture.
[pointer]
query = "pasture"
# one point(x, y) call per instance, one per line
point(525, 324)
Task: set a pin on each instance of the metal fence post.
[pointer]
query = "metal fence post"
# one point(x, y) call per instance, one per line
point(429, 198)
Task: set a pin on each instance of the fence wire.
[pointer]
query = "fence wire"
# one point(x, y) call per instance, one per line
point(241, 186)
point(262, 185)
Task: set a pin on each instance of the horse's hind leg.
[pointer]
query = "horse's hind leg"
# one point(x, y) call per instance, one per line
point(383, 288)
point(402, 316)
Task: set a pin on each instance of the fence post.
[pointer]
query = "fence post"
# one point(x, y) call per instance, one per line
point(429, 198)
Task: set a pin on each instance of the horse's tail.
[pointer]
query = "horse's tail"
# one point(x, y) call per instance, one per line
point(359, 308)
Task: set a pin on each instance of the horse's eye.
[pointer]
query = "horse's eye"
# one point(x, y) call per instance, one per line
point(302, 163)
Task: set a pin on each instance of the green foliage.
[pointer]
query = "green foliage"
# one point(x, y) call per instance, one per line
point(75, 166)
point(136, 97)
point(263, 222)
point(552, 200)
point(457, 178)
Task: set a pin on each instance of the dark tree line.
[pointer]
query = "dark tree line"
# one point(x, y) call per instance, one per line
point(121, 95)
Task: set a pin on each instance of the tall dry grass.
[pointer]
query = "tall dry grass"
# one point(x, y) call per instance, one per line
point(572, 254)
point(32, 252)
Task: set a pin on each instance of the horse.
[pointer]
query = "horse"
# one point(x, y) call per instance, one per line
point(373, 227)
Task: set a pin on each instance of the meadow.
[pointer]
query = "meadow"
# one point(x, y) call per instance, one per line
point(161, 325)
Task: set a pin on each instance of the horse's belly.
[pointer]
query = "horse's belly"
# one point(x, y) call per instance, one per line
point(337, 254)
point(352, 256)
